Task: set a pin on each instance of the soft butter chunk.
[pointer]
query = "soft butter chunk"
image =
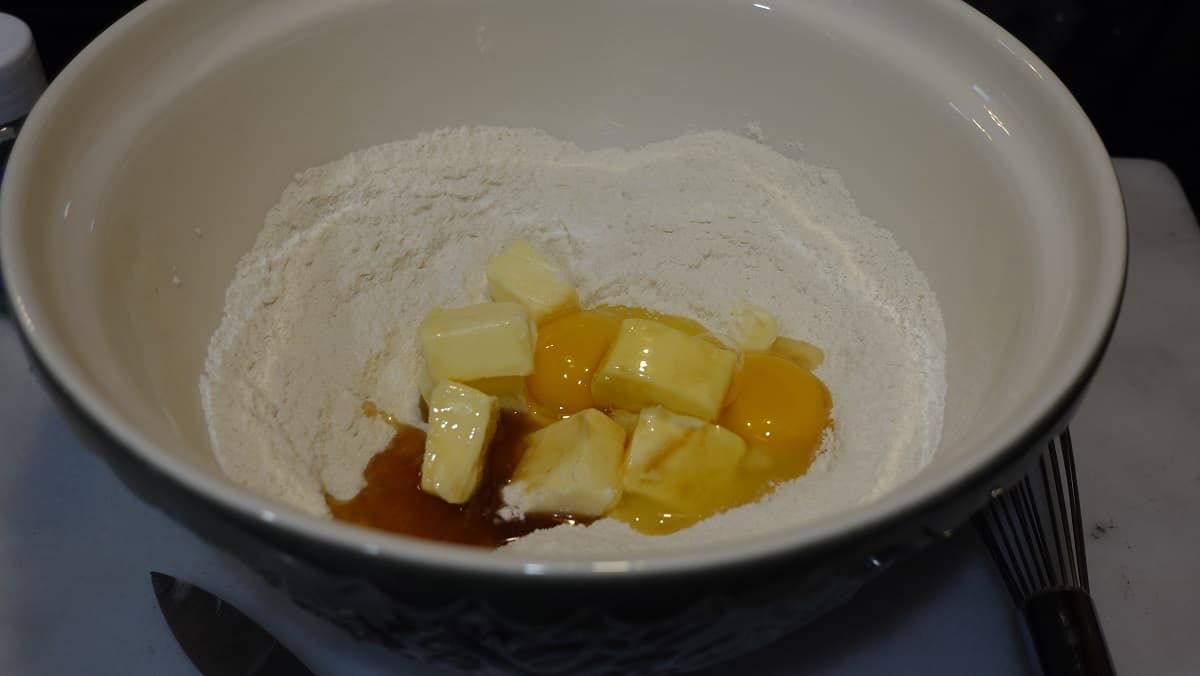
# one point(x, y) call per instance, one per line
point(754, 327)
point(488, 340)
point(804, 355)
point(510, 390)
point(656, 431)
point(653, 364)
point(462, 421)
point(521, 275)
point(571, 467)
point(628, 420)
point(680, 461)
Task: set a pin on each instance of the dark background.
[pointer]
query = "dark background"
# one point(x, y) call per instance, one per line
point(1132, 64)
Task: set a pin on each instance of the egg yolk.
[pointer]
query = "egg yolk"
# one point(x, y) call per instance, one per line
point(781, 410)
point(569, 348)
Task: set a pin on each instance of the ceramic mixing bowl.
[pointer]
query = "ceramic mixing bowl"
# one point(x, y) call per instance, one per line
point(195, 115)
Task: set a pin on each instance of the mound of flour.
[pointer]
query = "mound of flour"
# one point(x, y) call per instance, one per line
point(322, 313)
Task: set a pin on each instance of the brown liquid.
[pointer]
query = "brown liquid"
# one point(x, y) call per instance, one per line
point(392, 498)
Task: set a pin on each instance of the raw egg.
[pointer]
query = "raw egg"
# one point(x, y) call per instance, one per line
point(569, 348)
point(782, 410)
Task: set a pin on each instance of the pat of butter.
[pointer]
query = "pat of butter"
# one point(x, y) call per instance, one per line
point(520, 274)
point(680, 461)
point(656, 431)
point(800, 353)
point(462, 421)
point(628, 420)
point(488, 340)
point(510, 390)
point(754, 327)
point(653, 364)
point(570, 467)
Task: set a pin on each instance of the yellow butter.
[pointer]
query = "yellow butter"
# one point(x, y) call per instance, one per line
point(628, 420)
point(520, 274)
point(570, 467)
point(653, 364)
point(754, 327)
point(488, 340)
point(510, 390)
point(805, 355)
point(681, 462)
point(462, 421)
point(678, 471)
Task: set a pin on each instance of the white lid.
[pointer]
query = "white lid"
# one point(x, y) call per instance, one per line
point(21, 78)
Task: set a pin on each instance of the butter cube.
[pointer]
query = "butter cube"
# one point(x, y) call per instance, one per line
point(520, 274)
point(510, 390)
point(462, 421)
point(656, 432)
point(805, 355)
point(653, 364)
point(571, 467)
point(681, 462)
point(478, 341)
point(754, 327)
point(628, 420)
point(425, 383)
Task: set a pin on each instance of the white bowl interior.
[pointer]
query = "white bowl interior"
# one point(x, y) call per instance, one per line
point(196, 115)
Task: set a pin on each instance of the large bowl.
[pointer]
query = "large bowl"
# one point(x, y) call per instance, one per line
point(190, 115)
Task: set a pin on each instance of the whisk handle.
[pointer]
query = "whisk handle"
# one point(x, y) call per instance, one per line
point(1066, 634)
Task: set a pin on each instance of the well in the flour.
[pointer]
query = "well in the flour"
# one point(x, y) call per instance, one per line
point(322, 312)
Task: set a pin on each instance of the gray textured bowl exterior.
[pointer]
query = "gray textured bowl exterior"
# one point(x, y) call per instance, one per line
point(669, 623)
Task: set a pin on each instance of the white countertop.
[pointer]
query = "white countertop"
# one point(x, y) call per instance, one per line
point(76, 547)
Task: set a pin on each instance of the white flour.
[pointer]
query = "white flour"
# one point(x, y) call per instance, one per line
point(322, 313)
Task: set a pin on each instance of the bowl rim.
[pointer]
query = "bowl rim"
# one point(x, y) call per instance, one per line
point(961, 476)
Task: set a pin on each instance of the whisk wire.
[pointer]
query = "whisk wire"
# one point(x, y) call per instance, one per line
point(1067, 542)
point(1029, 557)
point(1043, 563)
point(1073, 488)
point(988, 531)
point(1059, 534)
point(1012, 546)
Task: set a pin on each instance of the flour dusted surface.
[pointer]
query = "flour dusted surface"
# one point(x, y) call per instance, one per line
point(322, 313)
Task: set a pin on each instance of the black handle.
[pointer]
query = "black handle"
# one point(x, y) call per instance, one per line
point(1066, 634)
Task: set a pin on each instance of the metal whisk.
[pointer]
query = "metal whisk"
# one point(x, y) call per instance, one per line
point(1035, 534)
